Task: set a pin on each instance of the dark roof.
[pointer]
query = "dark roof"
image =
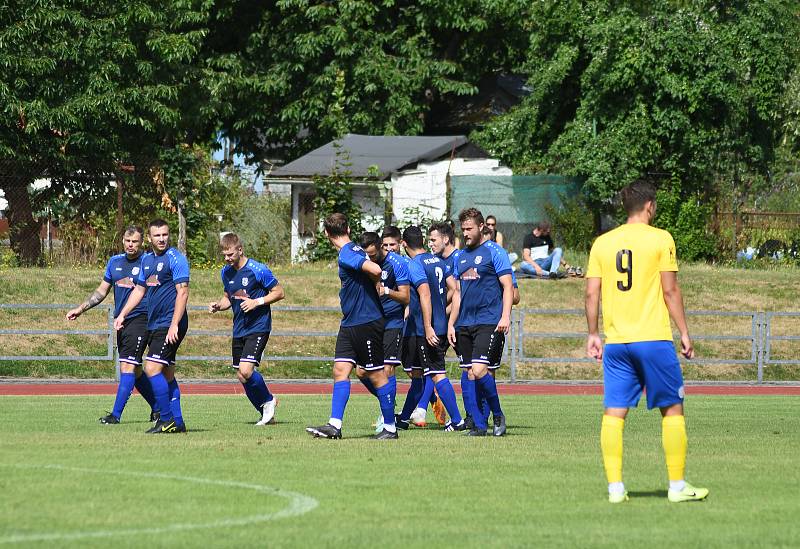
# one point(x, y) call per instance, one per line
point(358, 153)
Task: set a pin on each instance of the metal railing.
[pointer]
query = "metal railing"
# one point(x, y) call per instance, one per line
point(759, 337)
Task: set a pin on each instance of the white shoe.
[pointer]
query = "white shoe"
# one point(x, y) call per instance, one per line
point(268, 411)
point(379, 424)
point(418, 417)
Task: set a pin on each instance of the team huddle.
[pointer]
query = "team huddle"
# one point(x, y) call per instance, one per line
point(406, 311)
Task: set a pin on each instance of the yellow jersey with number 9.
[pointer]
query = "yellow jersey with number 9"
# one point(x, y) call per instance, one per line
point(629, 261)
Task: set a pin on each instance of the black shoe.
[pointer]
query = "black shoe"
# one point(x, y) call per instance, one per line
point(164, 427)
point(154, 416)
point(110, 419)
point(455, 427)
point(476, 432)
point(469, 423)
point(499, 426)
point(385, 435)
point(180, 428)
point(325, 431)
point(401, 423)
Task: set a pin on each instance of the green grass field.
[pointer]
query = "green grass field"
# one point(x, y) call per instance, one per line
point(704, 287)
point(67, 481)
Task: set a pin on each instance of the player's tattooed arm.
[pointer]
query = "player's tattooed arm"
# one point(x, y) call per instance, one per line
point(93, 300)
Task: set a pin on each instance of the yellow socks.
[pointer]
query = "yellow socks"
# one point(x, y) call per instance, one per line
point(673, 437)
point(611, 445)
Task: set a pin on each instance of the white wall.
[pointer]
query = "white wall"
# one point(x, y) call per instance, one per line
point(424, 187)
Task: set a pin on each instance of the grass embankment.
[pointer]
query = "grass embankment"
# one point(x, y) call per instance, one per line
point(705, 288)
point(65, 478)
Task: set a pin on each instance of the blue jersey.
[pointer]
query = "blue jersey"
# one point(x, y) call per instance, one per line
point(451, 261)
point(121, 273)
point(394, 273)
point(500, 249)
point(358, 296)
point(160, 274)
point(429, 269)
point(479, 271)
point(252, 281)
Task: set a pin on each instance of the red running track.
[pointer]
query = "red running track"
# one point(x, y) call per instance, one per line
point(50, 389)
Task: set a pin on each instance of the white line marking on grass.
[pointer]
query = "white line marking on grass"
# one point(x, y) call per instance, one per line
point(299, 504)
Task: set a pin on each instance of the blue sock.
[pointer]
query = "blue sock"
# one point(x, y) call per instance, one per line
point(393, 383)
point(161, 392)
point(146, 390)
point(341, 394)
point(251, 394)
point(126, 382)
point(412, 397)
point(483, 404)
point(427, 392)
point(467, 392)
point(367, 382)
point(489, 389)
point(262, 390)
point(175, 401)
point(448, 396)
point(386, 398)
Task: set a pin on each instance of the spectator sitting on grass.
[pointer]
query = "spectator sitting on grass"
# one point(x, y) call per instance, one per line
point(539, 257)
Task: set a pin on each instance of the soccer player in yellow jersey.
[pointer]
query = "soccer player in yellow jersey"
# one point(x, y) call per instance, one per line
point(634, 268)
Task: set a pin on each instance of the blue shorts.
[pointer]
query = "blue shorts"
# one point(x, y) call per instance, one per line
point(630, 367)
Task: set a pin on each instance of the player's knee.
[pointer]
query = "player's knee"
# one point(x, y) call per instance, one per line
point(126, 367)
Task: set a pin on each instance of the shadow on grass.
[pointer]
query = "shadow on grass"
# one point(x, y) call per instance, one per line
point(648, 494)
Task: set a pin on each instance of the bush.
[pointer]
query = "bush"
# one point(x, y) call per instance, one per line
point(687, 219)
point(573, 223)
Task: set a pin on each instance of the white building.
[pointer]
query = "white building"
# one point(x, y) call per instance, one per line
point(404, 175)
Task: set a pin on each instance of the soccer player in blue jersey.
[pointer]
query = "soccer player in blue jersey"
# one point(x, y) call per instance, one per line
point(250, 288)
point(480, 316)
point(121, 273)
point(393, 290)
point(360, 339)
point(432, 283)
point(164, 278)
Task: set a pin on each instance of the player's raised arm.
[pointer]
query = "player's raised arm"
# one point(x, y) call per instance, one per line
point(372, 269)
point(93, 300)
point(594, 345)
point(674, 301)
point(222, 304)
point(133, 300)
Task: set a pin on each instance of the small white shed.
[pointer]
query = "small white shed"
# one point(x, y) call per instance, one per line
point(409, 173)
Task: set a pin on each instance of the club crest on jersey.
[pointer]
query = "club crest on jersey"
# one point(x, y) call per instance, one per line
point(478, 260)
point(384, 275)
point(159, 267)
point(245, 280)
point(135, 271)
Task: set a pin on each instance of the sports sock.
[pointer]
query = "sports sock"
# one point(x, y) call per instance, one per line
point(412, 397)
point(126, 383)
point(161, 392)
point(175, 401)
point(467, 392)
point(616, 488)
point(489, 389)
point(146, 390)
point(341, 394)
point(367, 382)
point(448, 396)
point(393, 384)
point(250, 392)
point(611, 446)
point(484, 406)
point(673, 438)
point(386, 400)
point(261, 388)
point(427, 391)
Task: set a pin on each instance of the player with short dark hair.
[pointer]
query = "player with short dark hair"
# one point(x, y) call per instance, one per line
point(393, 290)
point(360, 339)
point(634, 269)
point(390, 239)
point(249, 288)
point(432, 283)
point(164, 278)
point(481, 316)
point(121, 272)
